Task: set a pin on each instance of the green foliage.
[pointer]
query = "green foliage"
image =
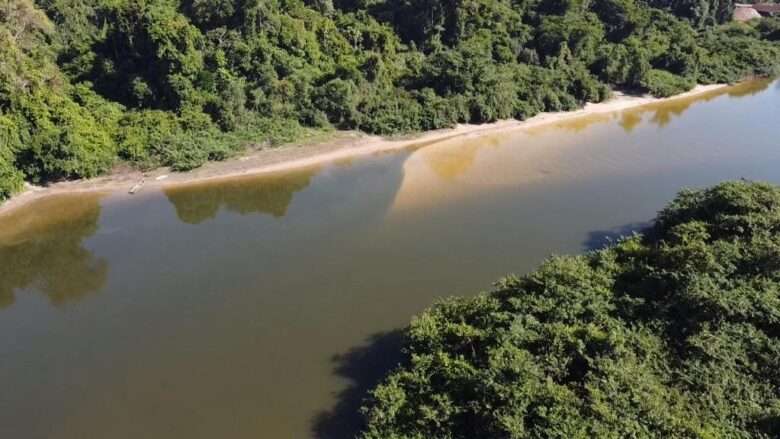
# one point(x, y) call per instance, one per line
point(674, 334)
point(663, 83)
point(176, 83)
point(735, 51)
point(66, 141)
point(769, 29)
point(699, 12)
point(150, 56)
point(11, 179)
point(56, 136)
point(144, 136)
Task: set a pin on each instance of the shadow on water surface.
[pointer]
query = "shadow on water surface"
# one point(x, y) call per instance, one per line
point(337, 194)
point(599, 239)
point(41, 247)
point(269, 194)
point(364, 367)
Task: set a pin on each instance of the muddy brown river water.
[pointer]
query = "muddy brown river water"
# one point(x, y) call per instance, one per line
point(263, 307)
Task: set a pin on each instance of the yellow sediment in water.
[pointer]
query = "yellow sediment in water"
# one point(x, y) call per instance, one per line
point(523, 156)
point(44, 239)
point(38, 217)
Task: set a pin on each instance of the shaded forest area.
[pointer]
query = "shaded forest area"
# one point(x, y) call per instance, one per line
point(87, 83)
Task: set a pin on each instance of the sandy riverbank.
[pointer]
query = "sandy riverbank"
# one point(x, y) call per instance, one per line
point(343, 145)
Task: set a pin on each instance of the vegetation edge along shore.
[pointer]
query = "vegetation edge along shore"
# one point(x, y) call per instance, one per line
point(331, 149)
point(85, 84)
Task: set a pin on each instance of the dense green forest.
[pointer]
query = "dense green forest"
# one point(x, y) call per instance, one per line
point(674, 334)
point(87, 83)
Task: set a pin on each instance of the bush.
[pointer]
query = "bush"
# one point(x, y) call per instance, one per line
point(154, 138)
point(662, 84)
point(390, 114)
point(11, 179)
point(185, 153)
point(439, 112)
point(736, 51)
point(66, 141)
point(674, 334)
point(338, 98)
point(271, 131)
point(145, 135)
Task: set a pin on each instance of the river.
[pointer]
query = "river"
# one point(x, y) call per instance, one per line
point(263, 307)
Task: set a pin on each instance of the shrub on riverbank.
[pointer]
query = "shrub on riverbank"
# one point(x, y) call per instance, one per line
point(664, 84)
point(672, 334)
point(11, 179)
point(176, 83)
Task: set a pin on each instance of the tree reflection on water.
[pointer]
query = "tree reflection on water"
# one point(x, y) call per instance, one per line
point(269, 194)
point(42, 249)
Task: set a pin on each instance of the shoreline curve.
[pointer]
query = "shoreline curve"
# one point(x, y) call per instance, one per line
point(344, 145)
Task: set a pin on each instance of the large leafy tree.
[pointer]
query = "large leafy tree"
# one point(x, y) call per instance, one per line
point(53, 135)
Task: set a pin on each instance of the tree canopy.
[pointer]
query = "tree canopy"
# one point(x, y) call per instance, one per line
point(84, 83)
point(673, 333)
